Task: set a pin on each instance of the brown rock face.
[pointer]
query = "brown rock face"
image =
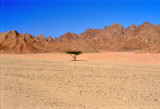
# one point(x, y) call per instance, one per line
point(14, 42)
point(49, 39)
point(71, 41)
point(145, 38)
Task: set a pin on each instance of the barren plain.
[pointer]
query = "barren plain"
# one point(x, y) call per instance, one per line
point(106, 80)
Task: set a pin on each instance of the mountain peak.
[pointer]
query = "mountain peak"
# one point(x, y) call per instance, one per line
point(14, 33)
point(116, 24)
point(115, 27)
point(41, 36)
point(146, 23)
point(49, 39)
point(131, 26)
point(105, 27)
point(68, 36)
point(68, 33)
point(9, 31)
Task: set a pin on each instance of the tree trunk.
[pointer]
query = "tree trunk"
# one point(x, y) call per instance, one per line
point(74, 57)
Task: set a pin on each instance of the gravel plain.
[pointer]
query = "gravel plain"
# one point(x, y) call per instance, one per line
point(96, 81)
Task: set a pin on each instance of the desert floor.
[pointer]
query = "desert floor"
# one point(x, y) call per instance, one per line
point(118, 80)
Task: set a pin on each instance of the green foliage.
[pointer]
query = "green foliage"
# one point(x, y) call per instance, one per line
point(74, 52)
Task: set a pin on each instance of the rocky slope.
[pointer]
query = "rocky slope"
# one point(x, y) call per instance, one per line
point(143, 38)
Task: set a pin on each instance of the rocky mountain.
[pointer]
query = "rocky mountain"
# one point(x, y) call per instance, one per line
point(143, 38)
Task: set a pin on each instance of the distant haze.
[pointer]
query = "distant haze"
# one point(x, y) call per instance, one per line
point(56, 17)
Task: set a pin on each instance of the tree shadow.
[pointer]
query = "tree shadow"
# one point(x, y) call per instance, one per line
point(78, 60)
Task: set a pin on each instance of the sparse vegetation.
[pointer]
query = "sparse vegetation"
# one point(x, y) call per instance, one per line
point(74, 54)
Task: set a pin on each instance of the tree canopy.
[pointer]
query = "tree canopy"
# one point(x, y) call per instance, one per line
point(74, 53)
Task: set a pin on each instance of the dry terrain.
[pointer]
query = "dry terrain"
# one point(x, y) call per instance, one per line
point(144, 38)
point(106, 80)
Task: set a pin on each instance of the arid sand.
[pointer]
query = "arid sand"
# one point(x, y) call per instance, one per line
point(106, 80)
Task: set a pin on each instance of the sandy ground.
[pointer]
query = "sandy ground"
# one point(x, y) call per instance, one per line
point(117, 80)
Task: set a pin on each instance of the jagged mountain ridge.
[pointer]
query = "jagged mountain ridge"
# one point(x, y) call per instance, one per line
point(143, 38)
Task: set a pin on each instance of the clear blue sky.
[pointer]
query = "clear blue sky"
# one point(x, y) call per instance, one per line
point(56, 17)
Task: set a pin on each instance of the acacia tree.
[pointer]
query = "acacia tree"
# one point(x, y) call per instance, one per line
point(74, 54)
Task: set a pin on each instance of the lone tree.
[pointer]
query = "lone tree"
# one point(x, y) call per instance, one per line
point(74, 54)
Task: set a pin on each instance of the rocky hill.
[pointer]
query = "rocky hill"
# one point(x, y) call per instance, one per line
point(143, 38)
